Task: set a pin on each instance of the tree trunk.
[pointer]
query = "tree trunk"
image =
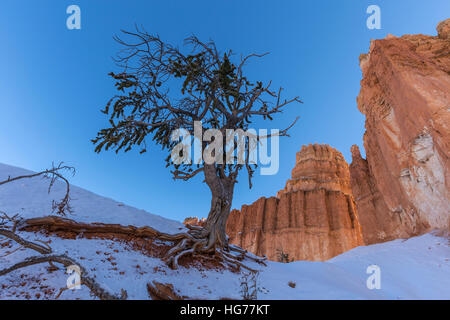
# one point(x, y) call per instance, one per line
point(222, 197)
point(211, 238)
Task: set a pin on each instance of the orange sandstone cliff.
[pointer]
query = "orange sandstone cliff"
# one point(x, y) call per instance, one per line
point(313, 218)
point(402, 189)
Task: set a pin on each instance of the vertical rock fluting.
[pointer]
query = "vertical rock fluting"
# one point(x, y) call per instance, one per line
point(378, 223)
point(313, 218)
point(403, 187)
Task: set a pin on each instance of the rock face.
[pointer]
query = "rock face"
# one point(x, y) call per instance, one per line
point(402, 189)
point(195, 221)
point(319, 167)
point(443, 29)
point(312, 218)
point(378, 223)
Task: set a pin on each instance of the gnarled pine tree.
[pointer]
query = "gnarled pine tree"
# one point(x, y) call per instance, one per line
point(212, 90)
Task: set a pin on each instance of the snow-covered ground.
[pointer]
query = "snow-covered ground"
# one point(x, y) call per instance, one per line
point(417, 268)
point(30, 198)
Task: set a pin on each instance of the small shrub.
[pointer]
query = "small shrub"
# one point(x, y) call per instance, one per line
point(283, 257)
point(249, 286)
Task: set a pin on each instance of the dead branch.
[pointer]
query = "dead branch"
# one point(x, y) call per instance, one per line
point(89, 282)
point(4, 219)
point(56, 223)
point(177, 174)
point(46, 250)
point(24, 243)
point(53, 174)
point(161, 291)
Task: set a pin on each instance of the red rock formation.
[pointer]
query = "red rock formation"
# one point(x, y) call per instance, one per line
point(195, 221)
point(378, 223)
point(403, 187)
point(319, 166)
point(313, 218)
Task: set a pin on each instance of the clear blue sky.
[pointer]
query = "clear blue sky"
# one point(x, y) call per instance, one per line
point(54, 81)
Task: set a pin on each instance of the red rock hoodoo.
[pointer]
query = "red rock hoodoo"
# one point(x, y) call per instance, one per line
point(195, 221)
point(312, 218)
point(402, 189)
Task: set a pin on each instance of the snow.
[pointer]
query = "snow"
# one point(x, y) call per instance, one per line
point(416, 268)
point(30, 198)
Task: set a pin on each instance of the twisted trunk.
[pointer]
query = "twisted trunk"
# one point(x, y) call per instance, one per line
point(211, 239)
point(222, 198)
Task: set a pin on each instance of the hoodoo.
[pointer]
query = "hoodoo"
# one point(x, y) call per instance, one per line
point(312, 218)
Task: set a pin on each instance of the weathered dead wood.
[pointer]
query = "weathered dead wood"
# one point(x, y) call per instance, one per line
point(55, 223)
point(86, 280)
point(161, 291)
point(89, 282)
point(24, 243)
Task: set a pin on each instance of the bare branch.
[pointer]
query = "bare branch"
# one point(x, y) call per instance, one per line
point(53, 174)
point(177, 174)
point(89, 282)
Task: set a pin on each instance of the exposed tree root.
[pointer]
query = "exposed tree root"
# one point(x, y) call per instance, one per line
point(196, 241)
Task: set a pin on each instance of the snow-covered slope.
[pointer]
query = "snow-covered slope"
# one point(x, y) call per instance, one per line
point(30, 198)
point(417, 268)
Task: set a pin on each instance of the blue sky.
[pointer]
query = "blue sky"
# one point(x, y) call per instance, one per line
point(54, 82)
